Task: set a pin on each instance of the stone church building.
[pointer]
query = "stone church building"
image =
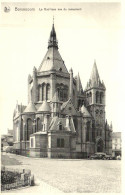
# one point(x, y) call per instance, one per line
point(61, 119)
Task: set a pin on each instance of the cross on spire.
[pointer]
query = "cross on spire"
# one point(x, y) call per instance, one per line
point(53, 40)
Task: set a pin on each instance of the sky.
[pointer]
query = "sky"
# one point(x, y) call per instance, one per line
point(92, 32)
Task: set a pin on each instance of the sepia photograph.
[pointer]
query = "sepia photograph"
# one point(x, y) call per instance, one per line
point(62, 97)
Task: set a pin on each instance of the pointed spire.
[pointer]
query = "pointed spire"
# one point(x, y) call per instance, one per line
point(94, 81)
point(71, 70)
point(29, 78)
point(34, 69)
point(79, 84)
point(95, 75)
point(111, 127)
point(53, 40)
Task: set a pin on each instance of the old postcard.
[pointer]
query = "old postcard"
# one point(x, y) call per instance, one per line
point(62, 77)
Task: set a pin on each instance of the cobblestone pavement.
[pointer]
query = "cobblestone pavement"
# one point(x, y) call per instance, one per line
point(86, 176)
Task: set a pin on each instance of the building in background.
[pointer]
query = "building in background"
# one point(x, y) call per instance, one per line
point(61, 119)
point(116, 144)
point(7, 139)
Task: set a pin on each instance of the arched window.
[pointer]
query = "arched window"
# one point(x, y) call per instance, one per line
point(100, 146)
point(17, 131)
point(62, 92)
point(48, 92)
point(43, 91)
point(65, 95)
point(58, 91)
point(101, 98)
point(21, 136)
point(90, 97)
point(87, 131)
point(97, 97)
point(79, 104)
point(39, 93)
point(38, 124)
point(29, 128)
point(60, 126)
point(101, 116)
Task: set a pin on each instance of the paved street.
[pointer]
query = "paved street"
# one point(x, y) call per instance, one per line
point(65, 175)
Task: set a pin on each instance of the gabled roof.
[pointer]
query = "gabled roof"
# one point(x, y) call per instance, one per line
point(85, 112)
point(18, 110)
point(68, 107)
point(54, 125)
point(30, 108)
point(53, 59)
point(44, 107)
point(56, 121)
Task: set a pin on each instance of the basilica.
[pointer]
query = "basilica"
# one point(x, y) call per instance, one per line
point(61, 120)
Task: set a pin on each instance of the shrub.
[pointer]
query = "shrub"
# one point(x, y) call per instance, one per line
point(8, 177)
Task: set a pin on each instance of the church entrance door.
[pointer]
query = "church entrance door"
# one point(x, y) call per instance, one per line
point(100, 146)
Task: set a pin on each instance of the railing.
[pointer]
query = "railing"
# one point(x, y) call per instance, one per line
point(24, 179)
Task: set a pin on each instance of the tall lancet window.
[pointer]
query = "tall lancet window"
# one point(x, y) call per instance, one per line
point(21, 138)
point(101, 98)
point(62, 92)
point(39, 126)
point(43, 91)
point(29, 128)
point(39, 93)
point(90, 97)
point(48, 92)
point(87, 131)
point(97, 97)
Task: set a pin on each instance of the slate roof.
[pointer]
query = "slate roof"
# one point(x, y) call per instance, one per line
point(85, 112)
point(55, 122)
point(30, 108)
point(66, 103)
point(53, 59)
point(18, 110)
point(44, 107)
point(54, 125)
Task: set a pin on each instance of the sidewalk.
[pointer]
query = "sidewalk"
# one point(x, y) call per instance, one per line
point(40, 187)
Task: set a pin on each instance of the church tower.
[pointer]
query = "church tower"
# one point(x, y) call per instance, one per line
point(95, 102)
point(61, 120)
